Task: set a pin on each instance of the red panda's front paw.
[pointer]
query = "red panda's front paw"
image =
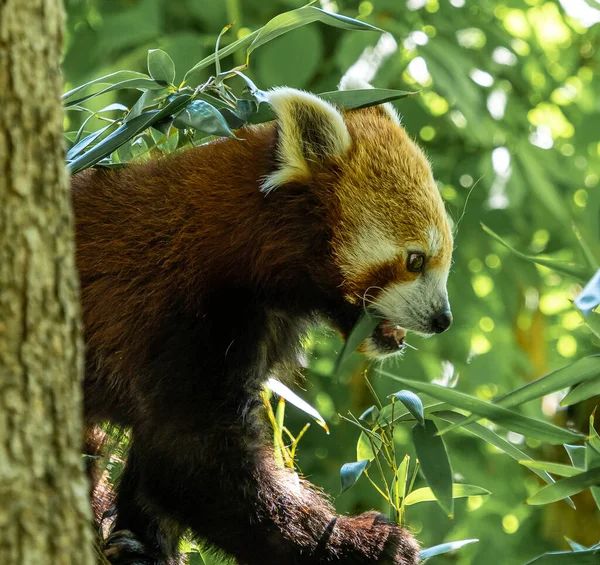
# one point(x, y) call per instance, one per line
point(378, 540)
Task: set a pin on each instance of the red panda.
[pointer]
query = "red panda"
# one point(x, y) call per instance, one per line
point(201, 271)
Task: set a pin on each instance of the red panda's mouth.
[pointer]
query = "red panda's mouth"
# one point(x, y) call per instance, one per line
point(388, 336)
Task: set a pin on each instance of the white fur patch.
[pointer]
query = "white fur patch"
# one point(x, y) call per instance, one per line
point(302, 117)
point(367, 249)
point(435, 240)
point(352, 82)
point(412, 304)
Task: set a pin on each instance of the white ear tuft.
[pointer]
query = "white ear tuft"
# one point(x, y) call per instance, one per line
point(310, 131)
point(354, 82)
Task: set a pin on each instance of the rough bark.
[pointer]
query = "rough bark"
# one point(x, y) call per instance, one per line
point(44, 514)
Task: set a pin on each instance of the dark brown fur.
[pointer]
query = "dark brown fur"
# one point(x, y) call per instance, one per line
point(196, 287)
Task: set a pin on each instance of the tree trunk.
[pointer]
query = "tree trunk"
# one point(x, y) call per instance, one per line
point(44, 511)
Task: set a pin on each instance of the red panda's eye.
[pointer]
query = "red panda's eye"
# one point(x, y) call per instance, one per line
point(416, 262)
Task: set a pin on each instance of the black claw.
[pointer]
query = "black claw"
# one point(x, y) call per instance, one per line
point(123, 548)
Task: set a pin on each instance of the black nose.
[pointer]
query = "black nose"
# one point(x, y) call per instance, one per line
point(441, 322)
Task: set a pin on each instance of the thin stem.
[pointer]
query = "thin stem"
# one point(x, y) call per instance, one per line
point(385, 496)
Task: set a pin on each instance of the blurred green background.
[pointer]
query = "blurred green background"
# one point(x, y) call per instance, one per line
point(509, 114)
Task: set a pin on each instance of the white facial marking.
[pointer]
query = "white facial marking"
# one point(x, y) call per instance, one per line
point(412, 304)
point(367, 249)
point(435, 240)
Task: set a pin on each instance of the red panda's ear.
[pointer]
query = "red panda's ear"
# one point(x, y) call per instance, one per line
point(350, 82)
point(310, 131)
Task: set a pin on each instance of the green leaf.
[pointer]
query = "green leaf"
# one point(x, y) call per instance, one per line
point(363, 98)
point(444, 548)
point(195, 558)
point(400, 485)
point(412, 403)
point(370, 415)
point(499, 443)
point(351, 472)
point(283, 391)
point(458, 491)
point(361, 331)
point(167, 141)
point(566, 487)
point(551, 467)
point(127, 131)
point(589, 297)
point(364, 447)
point(588, 557)
point(288, 21)
point(581, 370)
point(576, 455)
point(347, 99)
point(161, 67)
point(87, 141)
point(385, 416)
point(592, 457)
point(148, 99)
point(580, 272)
point(593, 322)
point(435, 464)
point(577, 372)
point(508, 419)
point(202, 116)
point(279, 25)
point(134, 83)
point(110, 79)
point(575, 546)
point(582, 392)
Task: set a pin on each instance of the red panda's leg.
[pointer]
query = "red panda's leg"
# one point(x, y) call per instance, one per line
point(227, 488)
point(139, 536)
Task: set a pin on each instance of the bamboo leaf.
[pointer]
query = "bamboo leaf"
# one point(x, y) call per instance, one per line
point(288, 21)
point(279, 25)
point(458, 491)
point(110, 79)
point(589, 297)
point(363, 98)
point(133, 84)
point(551, 467)
point(347, 99)
point(361, 331)
point(588, 557)
point(351, 472)
point(499, 443)
point(582, 392)
point(283, 391)
point(161, 67)
point(566, 487)
point(444, 548)
point(508, 419)
point(127, 131)
point(364, 447)
point(576, 455)
point(202, 116)
point(370, 415)
point(412, 403)
point(570, 375)
point(580, 272)
point(435, 464)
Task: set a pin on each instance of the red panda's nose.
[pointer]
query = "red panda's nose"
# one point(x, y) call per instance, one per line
point(441, 321)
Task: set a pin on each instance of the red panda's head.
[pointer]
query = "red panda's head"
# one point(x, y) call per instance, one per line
point(391, 242)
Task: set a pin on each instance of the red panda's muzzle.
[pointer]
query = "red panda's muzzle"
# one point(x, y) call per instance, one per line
point(387, 338)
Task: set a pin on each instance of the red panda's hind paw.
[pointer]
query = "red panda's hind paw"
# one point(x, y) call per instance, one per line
point(381, 542)
point(123, 548)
